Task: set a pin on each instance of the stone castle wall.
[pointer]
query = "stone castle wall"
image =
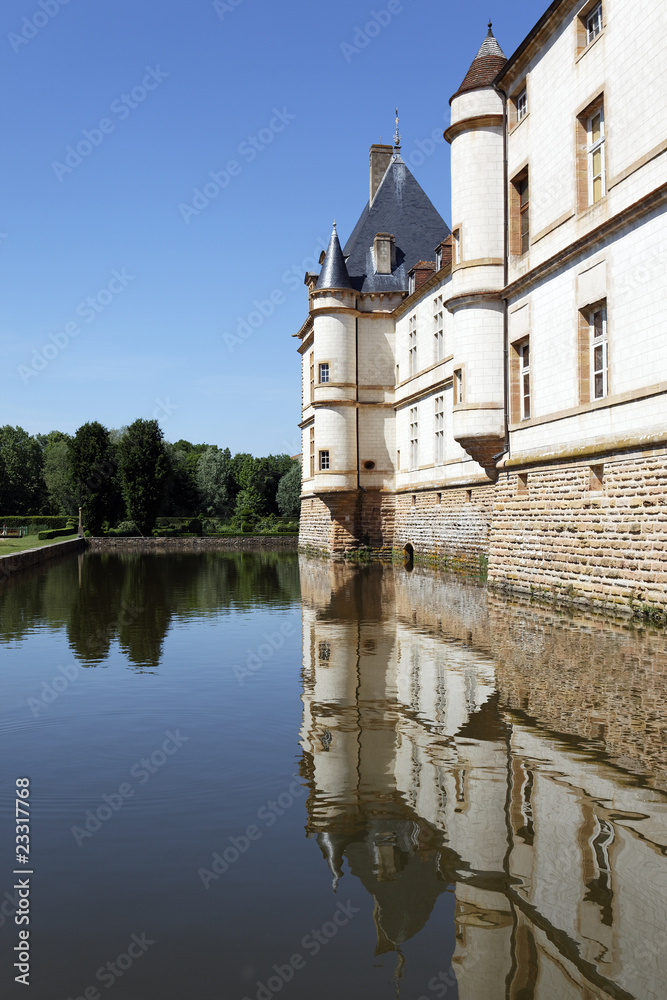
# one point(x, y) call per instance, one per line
point(562, 532)
point(593, 534)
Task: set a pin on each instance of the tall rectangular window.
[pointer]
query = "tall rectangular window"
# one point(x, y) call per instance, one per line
point(414, 438)
point(439, 430)
point(522, 105)
point(312, 375)
point(599, 352)
point(412, 345)
point(520, 214)
point(324, 460)
point(312, 452)
point(456, 245)
point(594, 23)
point(324, 372)
point(524, 374)
point(458, 386)
point(438, 328)
point(596, 157)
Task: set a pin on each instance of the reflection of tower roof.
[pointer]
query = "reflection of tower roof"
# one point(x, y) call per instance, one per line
point(334, 272)
point(486, 724)
point(402, 208)
point(485, 66)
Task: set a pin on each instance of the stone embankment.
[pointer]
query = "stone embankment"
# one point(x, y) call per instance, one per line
point(15, 561)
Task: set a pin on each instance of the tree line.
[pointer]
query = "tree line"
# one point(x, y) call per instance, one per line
point(133, 474)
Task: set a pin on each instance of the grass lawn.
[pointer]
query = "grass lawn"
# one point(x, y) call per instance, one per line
point(10, 545)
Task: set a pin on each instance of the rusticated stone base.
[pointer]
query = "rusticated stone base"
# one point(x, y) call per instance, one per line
point(339, 523)
point(449, 528)
point(589, 534)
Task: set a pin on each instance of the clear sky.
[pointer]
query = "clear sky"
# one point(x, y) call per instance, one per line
point(122, 291)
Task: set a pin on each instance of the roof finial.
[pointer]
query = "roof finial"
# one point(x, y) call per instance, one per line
point(397, 137)
point(490, 26)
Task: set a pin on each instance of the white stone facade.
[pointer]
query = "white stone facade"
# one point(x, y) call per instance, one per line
point(544, 339)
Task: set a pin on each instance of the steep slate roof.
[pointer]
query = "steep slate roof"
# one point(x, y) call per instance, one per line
point(486, 66)
point(334, 273)
point(400, 207)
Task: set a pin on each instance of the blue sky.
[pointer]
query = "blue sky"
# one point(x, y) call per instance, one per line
point(122, 293)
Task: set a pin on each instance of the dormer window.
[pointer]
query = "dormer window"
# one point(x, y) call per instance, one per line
point(594, 23)
point(438, 260)
point(411, 282)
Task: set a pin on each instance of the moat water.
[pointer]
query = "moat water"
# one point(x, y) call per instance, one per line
point(255, 775)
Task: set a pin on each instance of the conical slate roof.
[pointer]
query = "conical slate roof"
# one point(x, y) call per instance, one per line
point(485, 66)
point(334, 272)
point(400, 207)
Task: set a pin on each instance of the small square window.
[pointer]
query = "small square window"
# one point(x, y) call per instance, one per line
point(324, 373)
point(438, 498)
point(522, 483)
point(324, 460)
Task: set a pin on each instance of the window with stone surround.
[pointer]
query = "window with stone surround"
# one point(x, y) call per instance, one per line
point(312, 375)
point(594, 23)
point(520, 214)
point(312, 452)
point(438, 328)
point(591, 155)
point(324, 461)
point(439, 430)
point(458, 386)
point(414, 438)
point(412, 345)
point(589, 24)
point(520, 404)
point(593, 353)
point(522, 105)
point(456, 245)
point(324, 372)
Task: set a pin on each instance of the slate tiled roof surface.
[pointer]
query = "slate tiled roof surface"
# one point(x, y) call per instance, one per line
point(402, 208)
point(334, 273)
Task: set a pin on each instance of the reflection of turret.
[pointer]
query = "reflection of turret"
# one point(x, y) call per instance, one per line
point(557, 858)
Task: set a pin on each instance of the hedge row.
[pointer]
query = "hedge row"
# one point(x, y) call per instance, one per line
point(44, 536)
point(34, 520)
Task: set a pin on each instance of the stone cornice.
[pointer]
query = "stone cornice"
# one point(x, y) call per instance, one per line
point(472, 124)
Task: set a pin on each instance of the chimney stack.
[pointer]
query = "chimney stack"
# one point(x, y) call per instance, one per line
point(380, 160)
point(384, 250)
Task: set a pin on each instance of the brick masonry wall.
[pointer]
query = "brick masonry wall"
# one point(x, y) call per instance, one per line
point(555, 535)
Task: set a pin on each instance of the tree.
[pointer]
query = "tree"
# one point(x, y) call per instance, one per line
point(262, 475)
point(288, 496)
point(94, 466)
point(22, 489)
point(60, 489)
point(143, 467)
point(215, 481)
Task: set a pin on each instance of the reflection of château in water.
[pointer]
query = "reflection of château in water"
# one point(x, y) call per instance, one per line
point(557, 855)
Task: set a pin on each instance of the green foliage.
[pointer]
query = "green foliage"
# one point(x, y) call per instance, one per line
point(56, 533)
point(143, 466)
point(60, 490)
point(288, 494)
point(38, 521)
point(21, 463)
point(195, 526)
point(215, 481)
point(94, 466)
point(126, 529)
